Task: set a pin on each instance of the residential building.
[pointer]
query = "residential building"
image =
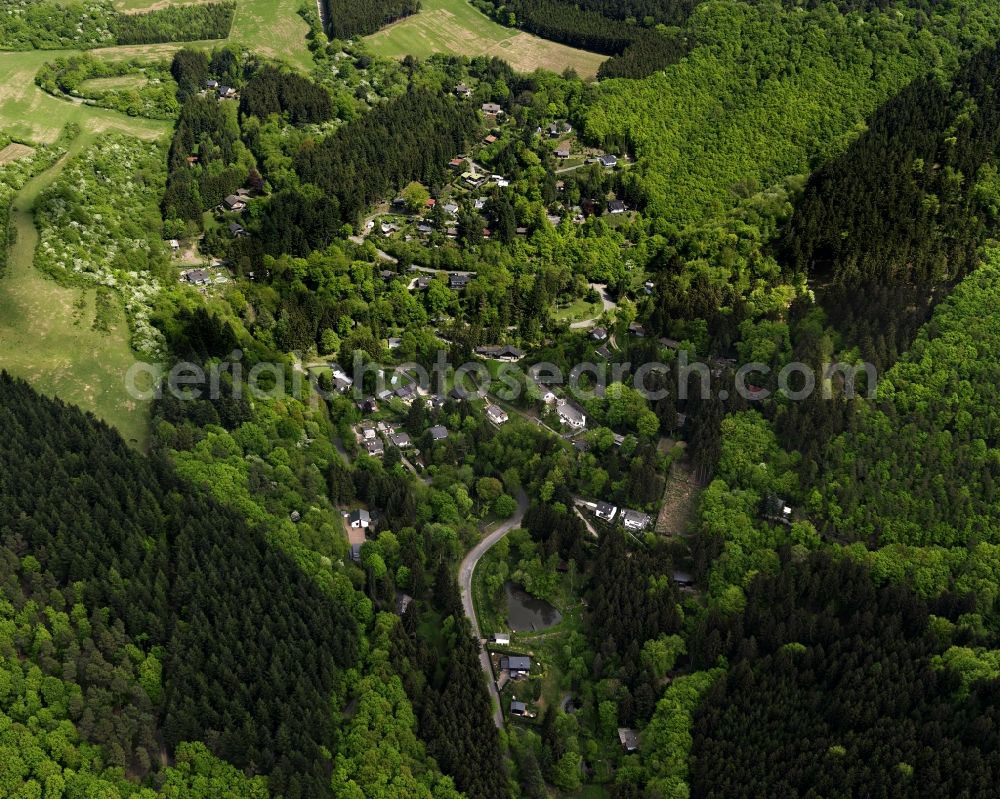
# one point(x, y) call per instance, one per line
point(635, 520)
point(517, 665)
point(492, 109)
point(608, 161)
point(400, 440)
point(629, 739)
point(502, 639)
point(517, 708)
point(571, 416)
point(197, 277)
point(439, 432)
point(234, 202)
point(599, 334)
point(616, 207)
point(497, 352)
point(606, 511)
point(359, 519)
point(496, 414)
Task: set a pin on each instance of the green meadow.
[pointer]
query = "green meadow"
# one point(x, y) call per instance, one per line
point(454, 26)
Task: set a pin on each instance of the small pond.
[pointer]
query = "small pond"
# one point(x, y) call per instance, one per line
point(526, 613)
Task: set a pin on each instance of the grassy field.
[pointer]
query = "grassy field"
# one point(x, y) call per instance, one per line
point(107, 84)
point(270, 27)
point(47, 334)
point(274, 28)
point(15, 152)
point(26, 112)
point(454, 26)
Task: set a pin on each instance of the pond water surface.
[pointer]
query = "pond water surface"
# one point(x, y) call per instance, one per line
point(526, 613)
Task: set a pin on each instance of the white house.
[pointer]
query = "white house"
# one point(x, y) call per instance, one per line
point(606, 511)
point(571, 416)
point(496, 414)
point(503, 639)
point(635, 520)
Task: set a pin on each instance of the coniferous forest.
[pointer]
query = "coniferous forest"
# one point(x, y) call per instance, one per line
point(347, 19)
point(199, 612)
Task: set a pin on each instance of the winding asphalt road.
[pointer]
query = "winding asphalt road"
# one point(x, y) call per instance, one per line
point(465, 572)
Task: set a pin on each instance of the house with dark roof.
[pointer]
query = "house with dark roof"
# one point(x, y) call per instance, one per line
point(237, 230)
point(606, 511)
point(616, 207)
point(629, 739)
point(562, 153)
point(375, 448)
point(498, 352)
point(458, 281)
point(463, 91)
point(234, 202)
point(518, 708)
point(492, 109)
point(359, 519)
point(439, 432)
point(406, 393)
point(516, 665)
point(599, 334)
point(608, 161)
point(400, 440)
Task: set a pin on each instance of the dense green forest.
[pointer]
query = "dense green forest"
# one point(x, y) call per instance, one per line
point(936, 400)
point(347, 19)
point(44, 24)
point(209, 612)
point(810, 606)
point(794, 91)
point(804, 705)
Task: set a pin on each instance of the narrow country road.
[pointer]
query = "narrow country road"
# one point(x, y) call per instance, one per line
point(606, 301)
point(465, 572)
